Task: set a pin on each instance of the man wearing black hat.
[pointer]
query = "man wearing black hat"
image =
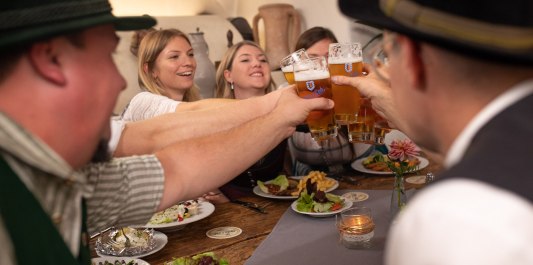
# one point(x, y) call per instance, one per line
point(461, 84)
point(58, 87)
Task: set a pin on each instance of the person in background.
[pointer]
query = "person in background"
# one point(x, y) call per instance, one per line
point(330, 157)
point(244, 73)
point(62, 66)
point(316, 41)
point(241, 72)
point(458, 80)
point(166, 67)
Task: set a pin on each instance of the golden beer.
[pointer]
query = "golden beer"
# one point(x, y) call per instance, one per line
point(288, 61)
point(362, 130)
point(289, 74)
point(381, 128)
point(314, 84)
point(369, 126)
point(346, 97)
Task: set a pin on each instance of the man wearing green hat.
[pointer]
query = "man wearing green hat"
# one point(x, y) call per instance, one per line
point(457, 77)
point(58, 87)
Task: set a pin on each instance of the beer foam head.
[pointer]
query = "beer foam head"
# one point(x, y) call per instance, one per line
point(312, 74)
point(287, 69)
point(344, 60)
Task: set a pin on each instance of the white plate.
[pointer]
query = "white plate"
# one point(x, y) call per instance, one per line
point(160, 241)
point(259, 192)
point(347, 204)
point(204, 210)
point(112, 260)
point(358, 165)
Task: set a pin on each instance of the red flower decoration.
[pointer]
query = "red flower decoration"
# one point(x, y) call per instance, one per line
point(402, 150)
point(400, 154)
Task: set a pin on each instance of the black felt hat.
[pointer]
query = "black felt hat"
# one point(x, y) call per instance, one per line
point(23, 21)
point(490, 29)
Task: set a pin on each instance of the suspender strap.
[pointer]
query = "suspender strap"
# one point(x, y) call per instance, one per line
point(84, 256)
point(34, 237)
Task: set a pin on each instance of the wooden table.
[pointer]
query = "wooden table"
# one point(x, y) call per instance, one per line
point(255, 226)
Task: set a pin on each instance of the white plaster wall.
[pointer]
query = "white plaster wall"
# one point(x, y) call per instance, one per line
point(314, 13)
point(323, 13)
point(168, 7)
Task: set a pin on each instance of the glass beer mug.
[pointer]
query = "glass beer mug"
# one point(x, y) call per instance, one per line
point(345, 59)
point(288, 61)
point(313, 80)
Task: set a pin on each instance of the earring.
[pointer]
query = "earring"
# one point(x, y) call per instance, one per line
point(231, 85)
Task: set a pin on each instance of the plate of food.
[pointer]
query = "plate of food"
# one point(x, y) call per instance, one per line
point(118, 261)
point(317, 203)
point(177, 216)
point(288, 188)
point(129, 242)
point(377, 164)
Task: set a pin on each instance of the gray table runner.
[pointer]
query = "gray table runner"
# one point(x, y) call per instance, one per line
point(302, 239)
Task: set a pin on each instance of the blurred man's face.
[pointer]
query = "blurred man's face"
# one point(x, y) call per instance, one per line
point(405, 69)
point(96, 84)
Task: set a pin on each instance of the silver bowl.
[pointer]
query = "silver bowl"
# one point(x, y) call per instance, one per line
point(113, 242)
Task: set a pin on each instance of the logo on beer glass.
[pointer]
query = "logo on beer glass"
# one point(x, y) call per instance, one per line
point(348, 67)
point(320, 91)
point(310, 85)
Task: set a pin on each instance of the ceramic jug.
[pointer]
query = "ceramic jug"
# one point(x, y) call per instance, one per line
point(204, 76)
point(282, 28)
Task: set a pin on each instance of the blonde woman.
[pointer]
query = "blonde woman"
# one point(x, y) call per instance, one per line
point(243, 73)
point(166, 68)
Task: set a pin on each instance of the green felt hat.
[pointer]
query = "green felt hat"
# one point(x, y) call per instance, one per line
point(490, 29)
point(24, 21)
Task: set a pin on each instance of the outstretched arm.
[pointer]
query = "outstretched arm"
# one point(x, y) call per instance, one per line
point(202, 104)
point(148, 136)
point(195, 166)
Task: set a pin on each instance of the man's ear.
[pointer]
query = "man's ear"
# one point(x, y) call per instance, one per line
point(413, 62)
point(44, 57)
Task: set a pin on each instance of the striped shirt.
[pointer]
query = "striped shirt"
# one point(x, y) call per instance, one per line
point(119, 192)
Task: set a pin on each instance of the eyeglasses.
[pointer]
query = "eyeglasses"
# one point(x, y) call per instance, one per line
point(380, 60)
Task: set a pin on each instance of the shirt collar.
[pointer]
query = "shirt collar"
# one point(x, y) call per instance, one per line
point(19, 143)
point(461, 143)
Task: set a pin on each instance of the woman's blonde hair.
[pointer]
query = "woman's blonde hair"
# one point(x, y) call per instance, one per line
point(151, 46)
point(224, 87)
